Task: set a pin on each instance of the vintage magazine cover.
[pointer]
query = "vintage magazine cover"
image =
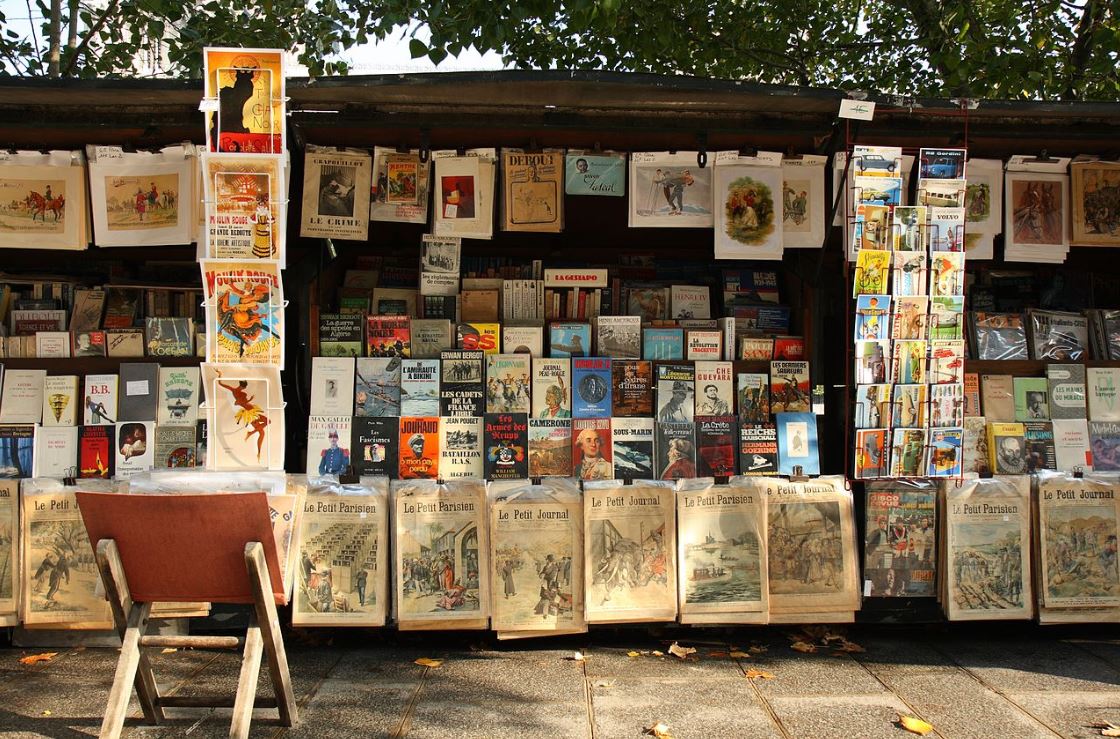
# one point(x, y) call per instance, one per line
point(536, 540)
point(245, 207)
point(245, 92)
point(803, 202)
point(336, 189)
point(49, 193)
point(630, 552)
point(986, 557)
point(748, 196)
point(61, 584)
point(441, 554)
point(1094, 196)
point(669, 190)
point(343, 543)
point(9, 555)
point(721, 552)
point(244, 312)
point(534, 191)
point(244, 417)
point(143, 198)
point(900, 541)
point(400, 186)
point(811, 545)
point(1077, 531)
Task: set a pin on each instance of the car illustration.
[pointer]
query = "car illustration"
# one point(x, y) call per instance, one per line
point(942, 168)
point(876, 161)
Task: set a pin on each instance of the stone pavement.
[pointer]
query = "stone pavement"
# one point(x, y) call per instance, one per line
point(984, 681)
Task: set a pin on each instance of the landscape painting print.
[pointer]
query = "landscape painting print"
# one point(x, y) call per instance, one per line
point(245, 417)
point(34, 210)
point(669, 190)
point(749, 219)
point(1096, 203)
point(143, 199)
point(248, 86)
point(244, 219)
point(244, 312)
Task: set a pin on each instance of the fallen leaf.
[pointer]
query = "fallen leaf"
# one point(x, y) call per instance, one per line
point(678, 651)
point(721, 654)
point(659, 730)
point(803, 646)
point(577, 656)
point(32, 659)
point(656, 653)
point(752, 673)
point(432, 663)
point(1106, 728)
point(915, 725)
point(849, 647)
point(1114, 731)
point(739, 655)
point(757, 649)
point(633, 654)
point(168, 650)
point(47, 713)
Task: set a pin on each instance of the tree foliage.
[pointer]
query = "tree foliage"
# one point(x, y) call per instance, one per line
point(1048, 49)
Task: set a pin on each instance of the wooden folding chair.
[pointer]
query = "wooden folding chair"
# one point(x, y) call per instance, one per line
point(184, 548)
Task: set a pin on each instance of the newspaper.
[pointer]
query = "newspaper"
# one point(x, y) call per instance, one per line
point(9, 552)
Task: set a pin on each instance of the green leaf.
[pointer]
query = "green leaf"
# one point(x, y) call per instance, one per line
point(417, 48)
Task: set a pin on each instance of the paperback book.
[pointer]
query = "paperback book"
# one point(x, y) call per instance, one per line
point(377, 387)
point(632, 443)
point(550, 447)
point(632, 381)
point(506, 446)
point(591, 387)
point(374, 445)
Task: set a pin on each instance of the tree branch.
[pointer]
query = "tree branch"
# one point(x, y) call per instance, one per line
point(93, 31)
point(1091, 17)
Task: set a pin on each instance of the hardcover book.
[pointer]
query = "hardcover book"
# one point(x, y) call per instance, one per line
point(374, 444)
point(420, 388)
point(632, 442)
point(377, 386)
point(664, 344)
point(715, 389)
point(60, 400)
point(789, 387)
point(591, 449)
point(460, 447)
point(550, 447)
point(332, 386)
point(419, 448)
point(139, 397)
point(632, 381)
point(690, 301)
point(591, 387)
point(95, 451)
point(1066, 387)
point(676, 390)
point(461, 386)
point(388, 336)
point(508, 385)
point(716, 443)
point(178, 396)
point(506, 442)
point(676, 450)
point(100, 400)
point(552, 388)
point(341, 335)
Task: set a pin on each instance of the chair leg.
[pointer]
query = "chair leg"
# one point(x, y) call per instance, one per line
point(247, 682)
point(269, 622)
point(117, 707)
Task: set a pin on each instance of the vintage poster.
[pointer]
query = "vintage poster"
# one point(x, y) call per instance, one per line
point(42, 201)
point(900, 544)
point(803, 202)
point(244, 417)
point(669, 190)
point(244, 100)
point(244, 312)
point(142, 198)
point(534, 191)
point(441, 555)
point(749, 206)
point(343, 549)
point(9, 554)
point(722, 552)
point(630, 552)
point(536, 540)
point(60, 580)
point(1096, 203)
point(336, 187)
point(400, 186)
point(1036, 210)
point(982, 203)
point(595, 173)
point(811, 545)
point(1077, 521)
point(987, 549)
point(464, 190)
point(245, 207)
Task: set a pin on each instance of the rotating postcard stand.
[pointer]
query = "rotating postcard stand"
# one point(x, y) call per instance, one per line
point(176, 548)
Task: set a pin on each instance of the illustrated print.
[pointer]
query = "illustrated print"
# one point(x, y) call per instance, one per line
point(336, 190)
point(805, 548)
point(1037, 216)
point(133, 203)
point(32, 206)
point(750, 211)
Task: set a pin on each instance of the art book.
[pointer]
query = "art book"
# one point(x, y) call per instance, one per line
point(420, 387)
point(332, 386)
point(461, 386)
point(178, 396)
point(676, 450)
point(244, 417)
point(797, 443)
point(388, 336)
point(873, 317)
point(328, 445)
point(945, 456)
point(749, 206)
point(142, 198)
point(244, 312)
point(632, 442)
point(100, 400)
point(400, 186)
point(900, 546)
point(246, 207)
point(721, 553)
point(533, 191)
point(377, 386)
point(632, 381)
point(716, 445)
point(569, 340)
point(248, 86)
point(552, 388)
point(676, 390)
point(550, 447)
point(669, 190)
point(95, 452)
point(758, 449)
point(375, 445)
point(715, 394)
point(336, 192)
point(135, 448)
point(789, 387)
point(508, 384)
point(506, 446)
point(591, 387)
point(630, 528)
point(753, 397)
point(460, 447)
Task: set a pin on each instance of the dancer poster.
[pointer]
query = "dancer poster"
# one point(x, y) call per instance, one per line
point(245, 417)
point(244, 312)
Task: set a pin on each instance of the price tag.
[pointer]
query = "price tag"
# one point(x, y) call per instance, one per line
point(860, 110)
point(866, 588)
point(208, 105)
point(136, 387)
point(105, 153)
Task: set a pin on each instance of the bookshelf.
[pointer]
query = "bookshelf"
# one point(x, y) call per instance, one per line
point(92, 365)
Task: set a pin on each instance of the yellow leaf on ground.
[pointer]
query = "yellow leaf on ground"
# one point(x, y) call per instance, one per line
point(656, 653)
point(577, 656)
point(659, 730)
point(803, 646)
point(168, 650)
point(32, 659)
point(848, 646)
point(1110, 730)
point(432, 663)
point(47, 713)
point(678, 651)
point(753, 673)
point(915, 725)
point(740, 655)
point(633, 654)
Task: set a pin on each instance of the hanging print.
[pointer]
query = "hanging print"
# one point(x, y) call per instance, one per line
point(244, 312)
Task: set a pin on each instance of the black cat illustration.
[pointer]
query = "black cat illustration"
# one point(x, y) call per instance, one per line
point(231, 105)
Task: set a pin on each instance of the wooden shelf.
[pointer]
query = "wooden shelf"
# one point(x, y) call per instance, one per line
point(91, 365)
point(1025, 367)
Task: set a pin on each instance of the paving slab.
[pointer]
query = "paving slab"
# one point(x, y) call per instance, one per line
point(829, 717)
point(614, 662)
point(889, 655)
point(488, 718)
point(346, 708)
point(1033, 665)
point(552, 679)
point(813, 674)
point(1070, 714)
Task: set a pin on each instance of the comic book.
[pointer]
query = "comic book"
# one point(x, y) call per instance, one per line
point(244, 312)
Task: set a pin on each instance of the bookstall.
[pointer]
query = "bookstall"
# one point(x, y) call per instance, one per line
point(723, 356)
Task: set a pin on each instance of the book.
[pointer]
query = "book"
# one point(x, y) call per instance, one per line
point(480, 305)
point(703, 345)
point(393, 301)
point(908, 452)
point(619, 337)
point(1058, 336)
point(690, 301)
point(460, 447)
point(873, 406)
point(341, 335)
point(787, 347)
point(461, 390)
point(550, 447)
point(506, 442)
point(374, 444)
point(508, 384)
point(569, 339)
point(1007, 448)
point(758, 348)
point(169, 337)
point(1102, 393)
point(716, 445)
point(676, 450)
point(479, 336)
point(1071, 444)
point(972, 394)
point(591, 449)
point(17, 450)
point(632, 381)
point(632, 442)
point(523, 340)
point(440, 257)
point(758, 449)
point(998, 335)
point(328, 445)
point(31, 322)
point(945, 456)
point(377, 386)
point(715, 389)
point(419, 453)
point(52, 344)
point(89, 344)
point(872, 458)
point(997, 397)
point(122, 307)
point(60, 400)
point(552, 388)
point(797, 443)
point(1065, 384)
point(676, 390)
point(974, 446)
point(650, 303)
point(135, 448)
point(89, 304)
point(55, 451)
point(100, 400)
point(789, 387)
point(1104, 442)
point(1030, 398)
point(388, 336)
point(1039, 443)
point(420, 391)
point(124, 342)
point(429, 336)
point(95, 452)
point(753, 398)
point(591, 388)
point(21, 400)
point(900, 544)
point(139, 397)
point(332, 386)
point(176, 447)
point(664, 344)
